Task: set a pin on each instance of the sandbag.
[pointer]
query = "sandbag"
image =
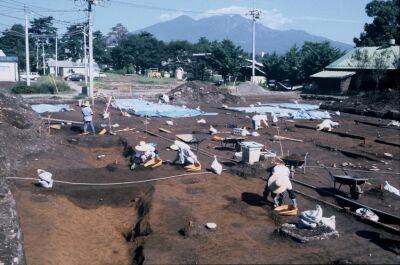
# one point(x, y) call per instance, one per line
point(310, 218)
point(216, 166)
point(45, 178)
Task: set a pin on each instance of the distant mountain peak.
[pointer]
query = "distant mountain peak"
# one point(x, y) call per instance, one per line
point(236, 28)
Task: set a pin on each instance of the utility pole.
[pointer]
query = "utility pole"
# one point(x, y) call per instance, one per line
point(28, 78)
point(84, 54)
point(255, 14)
point(90, 22)
point(90, 91)
point(44, 64)
point(37, 55)
point(56, 55)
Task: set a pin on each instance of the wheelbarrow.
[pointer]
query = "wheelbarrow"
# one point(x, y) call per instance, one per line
point(293, 161)
point(355, 184)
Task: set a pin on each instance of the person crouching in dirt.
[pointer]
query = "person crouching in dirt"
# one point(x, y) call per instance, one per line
point(143, 152)
point(278, 183)
point(87, 113)
point(185, 156)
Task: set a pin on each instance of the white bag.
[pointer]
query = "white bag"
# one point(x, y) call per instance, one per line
point(216, 166)
point(45, 178)
point(329, 222)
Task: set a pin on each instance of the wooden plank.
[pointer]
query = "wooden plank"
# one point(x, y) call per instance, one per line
point(277, 137)
point(60, 121)
point(164, 130)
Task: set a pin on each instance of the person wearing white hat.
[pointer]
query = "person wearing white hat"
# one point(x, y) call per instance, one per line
point(184, 154)
point(278, 183)
point(87, 113)
point(143, 153)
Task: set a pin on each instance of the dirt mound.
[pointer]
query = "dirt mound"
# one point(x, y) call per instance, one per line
point(21, 132)
point(383, 104)
point(20, 135)
point(202, 92)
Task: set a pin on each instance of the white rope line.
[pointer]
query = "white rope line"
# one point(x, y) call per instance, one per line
point(115, 183)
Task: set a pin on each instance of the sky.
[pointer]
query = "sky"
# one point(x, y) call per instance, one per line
point(339, 20)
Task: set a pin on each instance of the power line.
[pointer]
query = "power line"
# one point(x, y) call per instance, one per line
point(166, 8)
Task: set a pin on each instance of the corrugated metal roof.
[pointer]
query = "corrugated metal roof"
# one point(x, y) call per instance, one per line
point(8, 59)
point(348, 61)
point(52, 63)
point(333, 74)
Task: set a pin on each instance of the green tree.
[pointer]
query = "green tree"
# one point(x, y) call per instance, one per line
point(316, 56)
point(117, 34)
point(292, 65)
point(71, 43)
point(42, 29)
point(385, 25)
point(13, 43)
point(274, 67)
point(100, 52)
point(142, 50)
point(227, 59)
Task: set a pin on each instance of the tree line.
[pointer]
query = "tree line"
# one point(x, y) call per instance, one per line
point(130, 53)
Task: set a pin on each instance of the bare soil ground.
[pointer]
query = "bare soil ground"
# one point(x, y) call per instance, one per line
point(148, 222)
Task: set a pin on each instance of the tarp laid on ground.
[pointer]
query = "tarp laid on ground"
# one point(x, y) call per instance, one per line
point(144, 108)
point(298, 106)
point(286, 110)
point(42, 108)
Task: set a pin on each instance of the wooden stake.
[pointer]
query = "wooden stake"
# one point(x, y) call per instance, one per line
point(48, 120)
point(280, 142)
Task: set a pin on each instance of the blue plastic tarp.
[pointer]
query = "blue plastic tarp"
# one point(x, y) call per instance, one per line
point(286, 110)
point(42, 108)
point(143, 108)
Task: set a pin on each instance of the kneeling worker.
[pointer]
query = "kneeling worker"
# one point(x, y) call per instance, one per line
point(146, 154)
point(278, 183)
point(185, 156)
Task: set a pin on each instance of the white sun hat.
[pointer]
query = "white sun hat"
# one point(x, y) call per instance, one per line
point(142, 147)
point(279, 183)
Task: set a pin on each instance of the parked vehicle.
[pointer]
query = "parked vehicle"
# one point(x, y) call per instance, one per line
point(100, 75)
point(75, 77)
point(32, 76)
point(271, 83)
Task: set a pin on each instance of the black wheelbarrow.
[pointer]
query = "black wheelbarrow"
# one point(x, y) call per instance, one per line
point(294, 161)
point(356, 184)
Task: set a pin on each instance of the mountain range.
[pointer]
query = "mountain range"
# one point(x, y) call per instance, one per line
point(236, 28)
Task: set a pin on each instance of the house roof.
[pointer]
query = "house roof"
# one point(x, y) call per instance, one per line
point(348, 61)
point(333, 74)
point(52, 63)
point(8, 59)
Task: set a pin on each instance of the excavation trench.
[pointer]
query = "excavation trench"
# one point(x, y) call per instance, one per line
point(142, 227)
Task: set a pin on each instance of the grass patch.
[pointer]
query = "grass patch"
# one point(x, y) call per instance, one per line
point(43, 86)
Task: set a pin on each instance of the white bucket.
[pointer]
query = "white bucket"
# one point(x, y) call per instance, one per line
point(80, 102)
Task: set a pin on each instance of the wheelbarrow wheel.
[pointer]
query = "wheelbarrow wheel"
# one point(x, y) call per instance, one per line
point(355, 192)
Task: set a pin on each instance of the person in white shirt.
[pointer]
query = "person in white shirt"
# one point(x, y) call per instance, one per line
point(184, 154)
point(87, 113)
point(144, 152)
point(278, 183)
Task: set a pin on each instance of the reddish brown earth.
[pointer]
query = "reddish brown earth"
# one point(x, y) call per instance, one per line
point(76, 224)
